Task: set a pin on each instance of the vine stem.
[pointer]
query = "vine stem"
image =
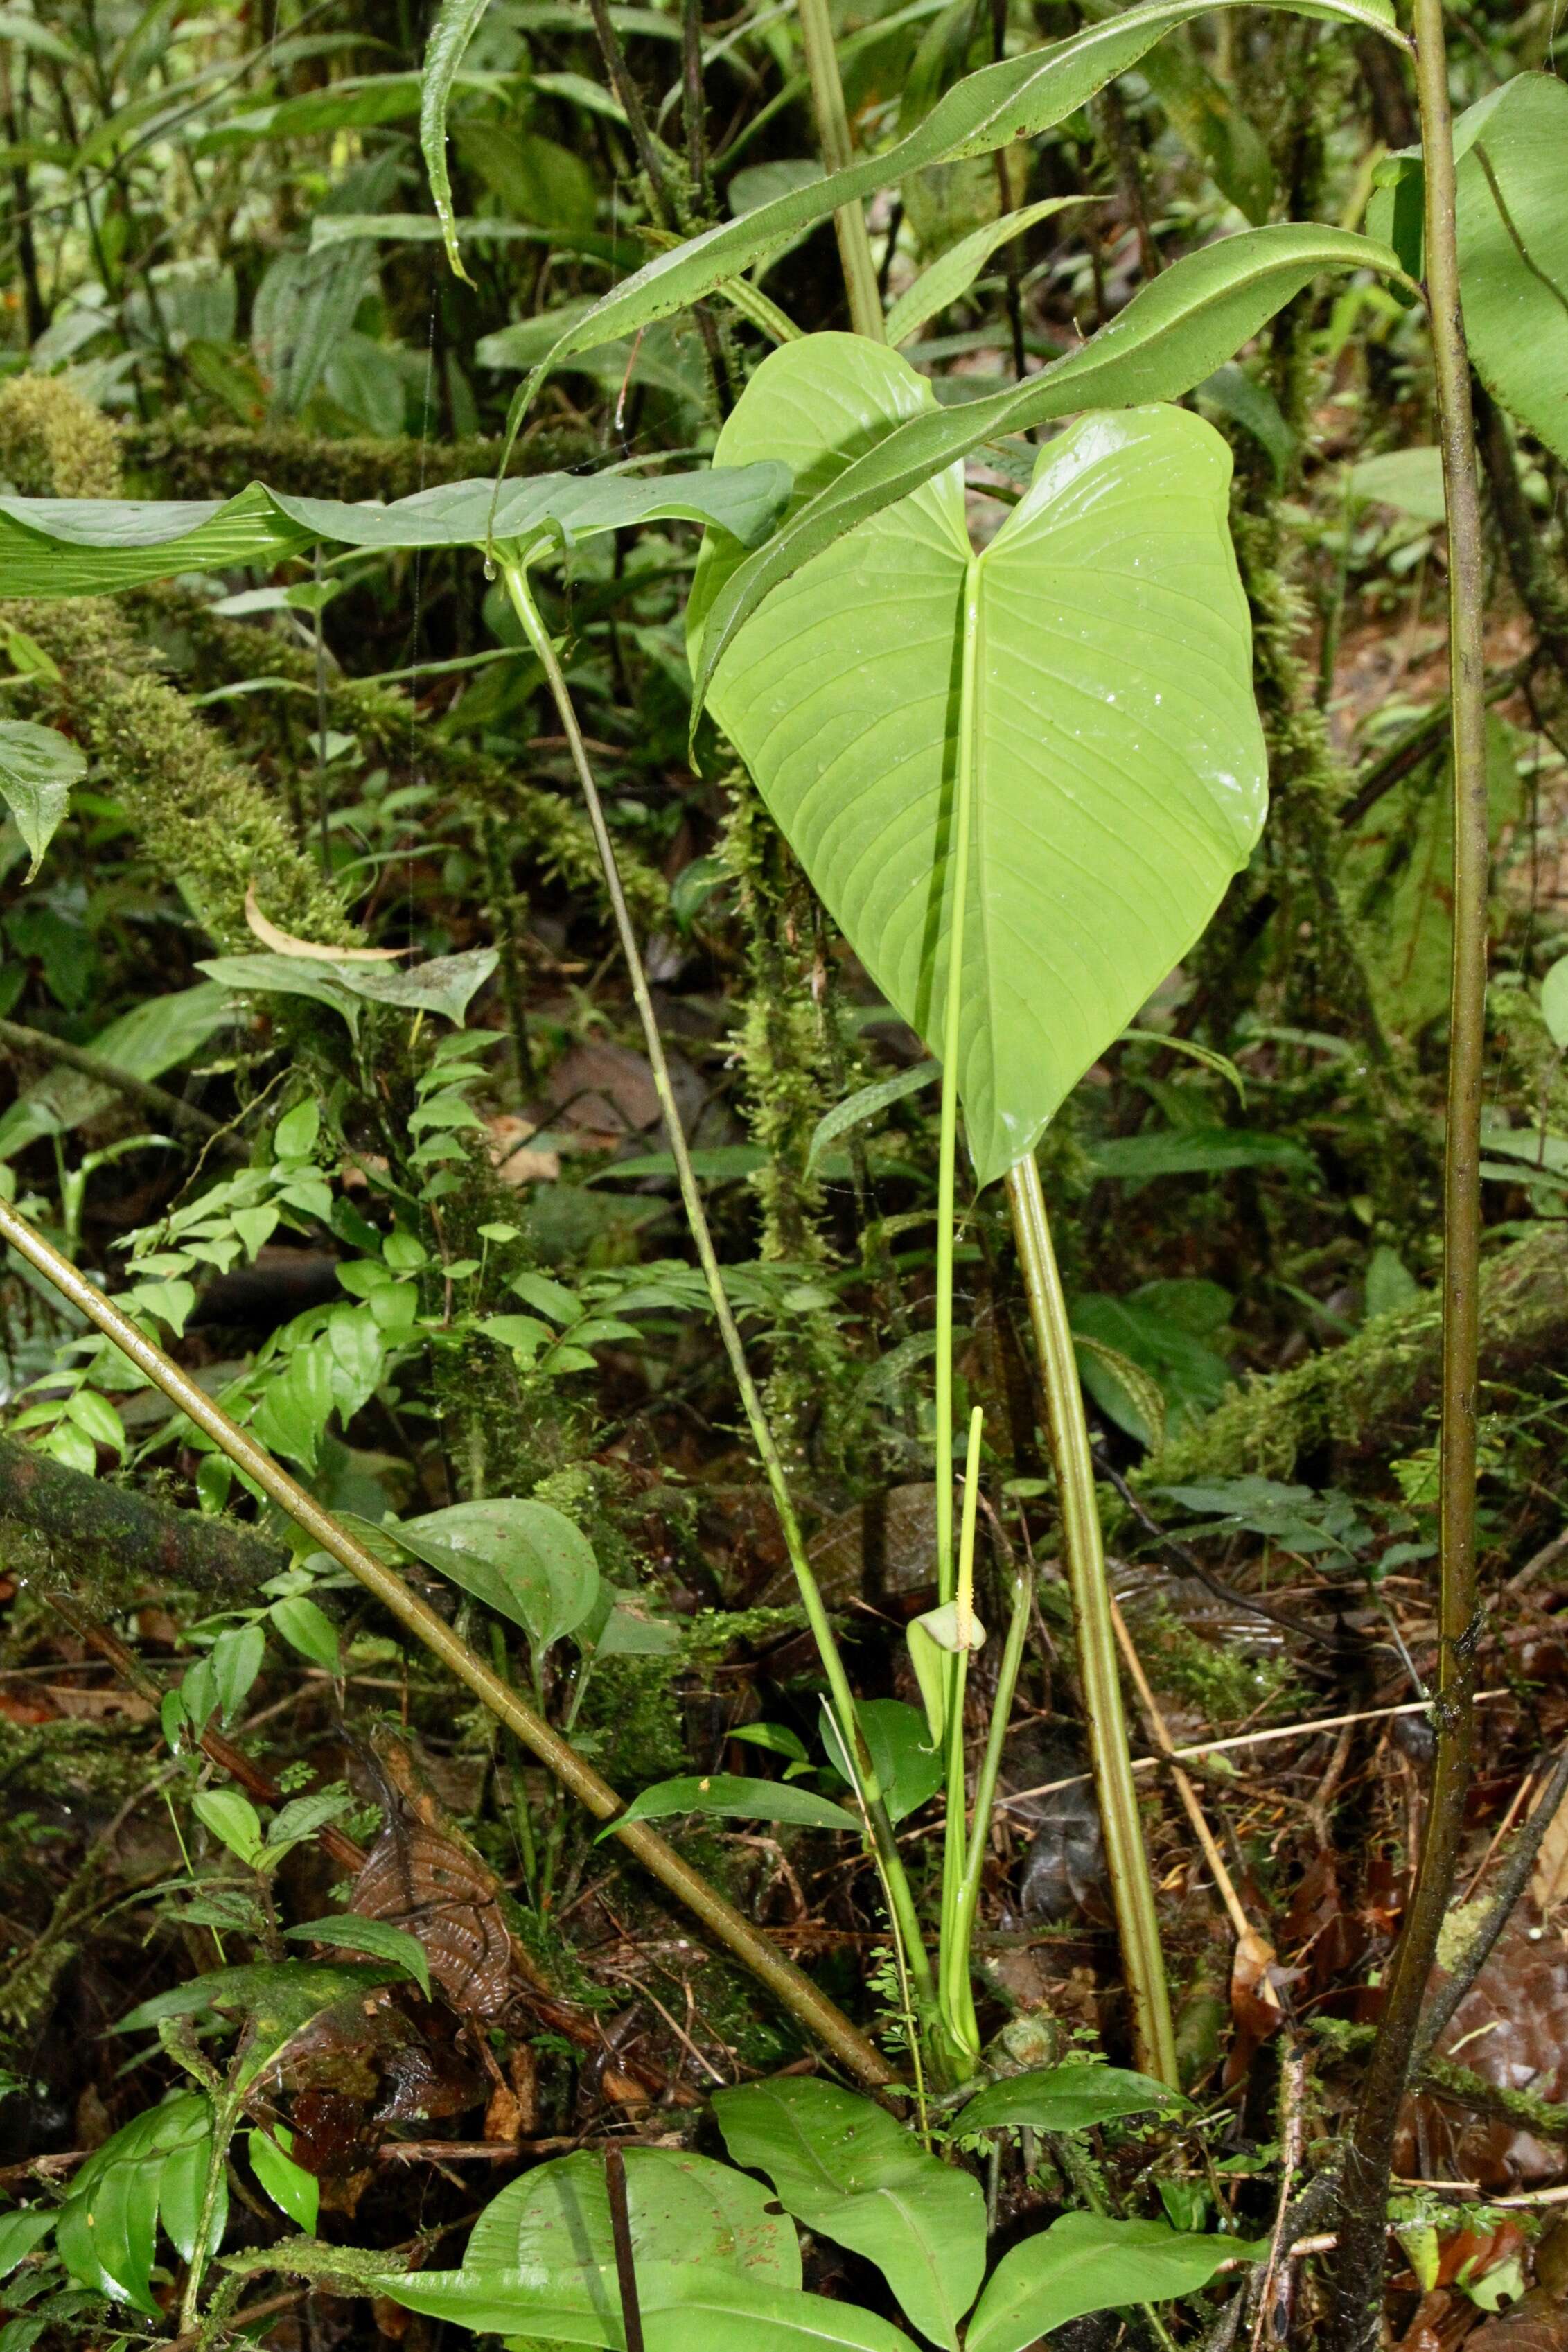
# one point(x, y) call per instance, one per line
point(833, 138)
point(789, 1986)
point(889, 1862)
point(1127, 1862)
point(1368, 2164)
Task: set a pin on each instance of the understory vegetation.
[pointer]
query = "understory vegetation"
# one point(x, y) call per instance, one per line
point(783, 1175)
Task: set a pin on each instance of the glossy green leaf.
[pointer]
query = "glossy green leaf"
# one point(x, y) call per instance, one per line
point(526, 1560)
point(684, 2306)
point(37, 767)
point(1017, 98)
point(456, 23)
point(949, 279)
point(846, 2168)
point(1172, 334)
point(306, 1627)
point(1511, 155)
point(292, 2190)
point(1198, 1152)
point(1554, 1002)
point(378, 1937)
point(233, 1820)
point(1087, 2262)
point(1118, 763)
point(1072, 2097)
point(20, 2230)
point(92, 547)
point(733, 1796)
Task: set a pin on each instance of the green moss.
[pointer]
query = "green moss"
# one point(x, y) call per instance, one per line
point(53, 444)
point(1221, 1678)
point(174, 459)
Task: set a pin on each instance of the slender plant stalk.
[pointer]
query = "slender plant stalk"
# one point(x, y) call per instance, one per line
point(1132, 1889)
point(1368, 2163)
point(834, 137)
point(969, 1902)
point(890, 1863)
point(621, 2236)
point(957, 1991)
point(794, 1990)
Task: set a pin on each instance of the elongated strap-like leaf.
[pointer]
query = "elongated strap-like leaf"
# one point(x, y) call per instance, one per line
point(94, 547)
point(950, 278)
point(1173, 333)
point(456, 23)
point(1017, 98)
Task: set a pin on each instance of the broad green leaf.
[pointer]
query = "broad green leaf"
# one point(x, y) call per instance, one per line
point(1172, 334)
point(526, 1560)
point(846, 2168)
point(1118, 762)
point(1017, 98)
point(732, 1796)
point(866, 1103)
point(949, 279)
point(1409, 479)
point(1122, 1387)
point(92, 547)
point(378, 1937)
point(909, 1771)
point(1065, 2098)
point(277, 1998)
point(306, 1627)
point(37, 767)
point(233, 1819)
point(292, 2190)
point(1511, 155)
point(1086, 2262)
point(1233, 394)
point(455, 25)
point(20, 2231)
point(684, 2307)
point(682, 2210)
point(446, 984)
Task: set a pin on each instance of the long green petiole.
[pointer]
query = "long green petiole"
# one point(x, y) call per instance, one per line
point(889, 1862)
point(956, 1992)
point(1132, 1889)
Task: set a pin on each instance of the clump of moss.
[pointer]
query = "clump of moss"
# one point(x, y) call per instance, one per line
point(53, 444)
point(1227, 1682)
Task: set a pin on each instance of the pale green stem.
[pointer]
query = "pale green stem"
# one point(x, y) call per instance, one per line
point(226, 2110)
point(890, 1863)
point(952, 1017)
point(958, 1994)
point(963, 1928)
point(1126, 1863)
point(834, 137)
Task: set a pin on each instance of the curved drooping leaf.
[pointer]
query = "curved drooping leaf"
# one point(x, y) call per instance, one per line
point(1017, 98)
point(525, 1560)
point(1172, 334)
point(1118, 763)
point(446, 984)
point(37, 767)
point(456, 23)
point(1510, 152)
point(866, 1103)
point(846, 2168)
point(735, 1796)
point(379, 1938)
point(1071, 2097)
point(949, 279)
point(1087, 2262)
point(683, 2307)
point(94, 547)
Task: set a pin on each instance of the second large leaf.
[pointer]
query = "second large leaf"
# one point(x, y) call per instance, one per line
point(1118, 765)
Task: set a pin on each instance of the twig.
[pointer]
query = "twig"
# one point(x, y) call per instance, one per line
point(626, 2263)
point(1273, 2291)
point(157, 1101)
point(1369, 2147)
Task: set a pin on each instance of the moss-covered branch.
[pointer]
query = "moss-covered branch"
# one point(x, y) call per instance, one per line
point(104, 1538)
point(170, 460)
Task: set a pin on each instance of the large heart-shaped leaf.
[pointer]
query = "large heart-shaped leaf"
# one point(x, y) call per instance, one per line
point(1510, 150)
point(1118, 762)
point(684, 2306)
point(847, 2170)
point(93, 547)
point(1087, 2262)
point(682, 2209)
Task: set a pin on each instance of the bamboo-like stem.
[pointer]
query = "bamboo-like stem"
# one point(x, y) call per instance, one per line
point(956, 1992)
point(833, 138)
point(795, 1991)
point(1369, 2151)
point(1132, 1890)
point(890, 1863)
point(969, 1902)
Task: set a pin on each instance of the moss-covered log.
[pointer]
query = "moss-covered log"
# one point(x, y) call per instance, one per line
point(102, 1538)
point(168, 461)
point(1359, 1402)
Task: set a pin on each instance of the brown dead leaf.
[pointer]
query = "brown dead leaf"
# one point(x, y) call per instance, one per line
point(1536, 2323)
point(1549, 1877)
point(503, 2117)
point(511, 1158)
point(93, 1706)
point(309, 950)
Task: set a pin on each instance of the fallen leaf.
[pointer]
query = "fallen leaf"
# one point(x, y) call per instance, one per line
point(1549, 1877)
point(285, 943)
